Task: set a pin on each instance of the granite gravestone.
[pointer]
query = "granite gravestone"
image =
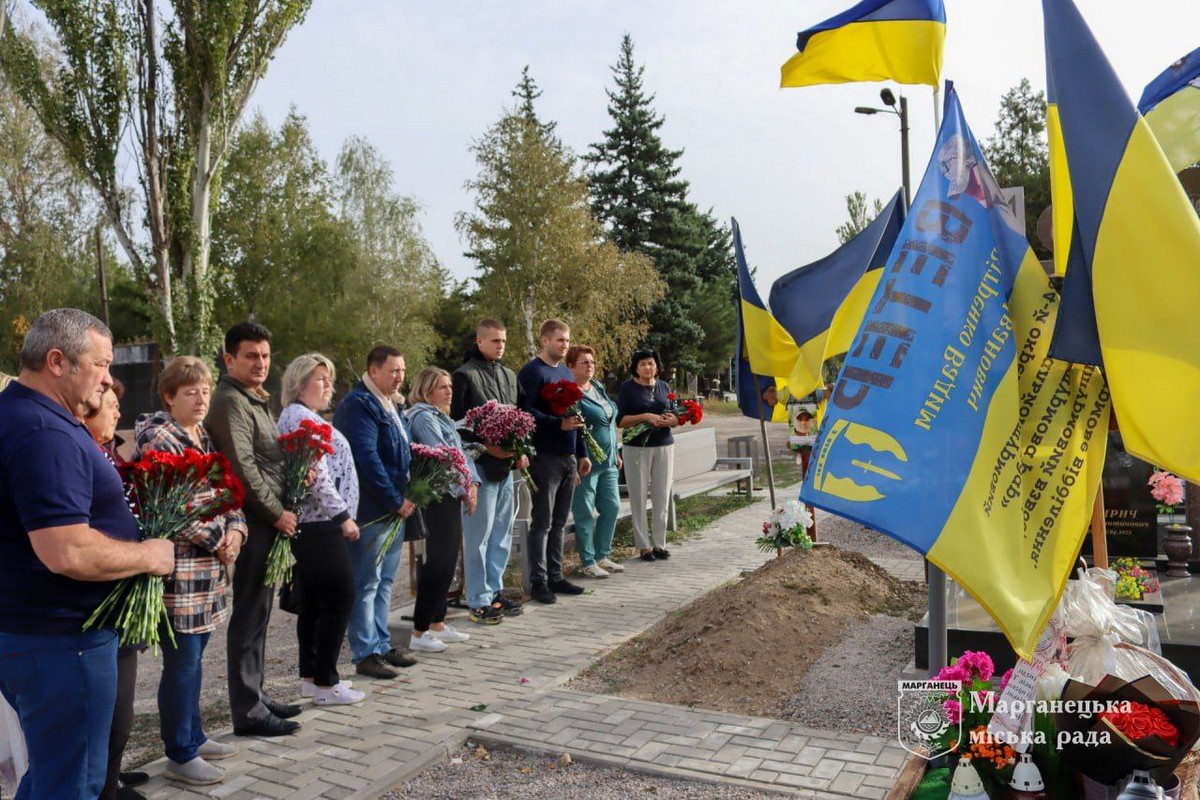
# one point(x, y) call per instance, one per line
point(1130, 512)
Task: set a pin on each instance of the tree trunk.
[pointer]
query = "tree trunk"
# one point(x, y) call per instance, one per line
point(196, 255)
point(528, 313)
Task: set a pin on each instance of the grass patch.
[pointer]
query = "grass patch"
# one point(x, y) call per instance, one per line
point(721, 407)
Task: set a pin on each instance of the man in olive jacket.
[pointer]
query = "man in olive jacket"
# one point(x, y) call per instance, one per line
point(487, 534)
point(245, 432)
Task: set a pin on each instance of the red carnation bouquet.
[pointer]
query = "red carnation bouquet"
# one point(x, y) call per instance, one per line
point(507, 427)
point(688, 411)
point(432, 475)
point(302, 449)
point(168, 493)
point(563, 398)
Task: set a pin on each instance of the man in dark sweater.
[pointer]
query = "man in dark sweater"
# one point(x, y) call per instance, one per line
point(559, 450)
point(487, 534)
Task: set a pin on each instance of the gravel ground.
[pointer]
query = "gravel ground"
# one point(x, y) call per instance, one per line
point(849, 535)
point(518, 775)
point(851, 688)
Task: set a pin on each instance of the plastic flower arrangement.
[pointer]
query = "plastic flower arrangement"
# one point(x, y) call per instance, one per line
point(1133, 582)
point(1167, 490)
point(787, 527)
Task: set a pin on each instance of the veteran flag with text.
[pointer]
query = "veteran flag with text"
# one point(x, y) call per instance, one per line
point(949, 427)
point(1131, 304)
point(821, 305)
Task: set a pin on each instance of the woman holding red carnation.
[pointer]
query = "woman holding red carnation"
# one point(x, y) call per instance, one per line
point(649, 459)
point(432, 426)
point(195, 593)
point(324, 572)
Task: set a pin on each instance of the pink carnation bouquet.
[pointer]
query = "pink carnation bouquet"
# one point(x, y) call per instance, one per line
point(432, 475)
point(507, 427)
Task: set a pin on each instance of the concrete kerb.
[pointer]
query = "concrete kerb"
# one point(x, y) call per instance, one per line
point(406, 772)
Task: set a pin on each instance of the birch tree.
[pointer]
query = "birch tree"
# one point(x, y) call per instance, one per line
point(175, 80)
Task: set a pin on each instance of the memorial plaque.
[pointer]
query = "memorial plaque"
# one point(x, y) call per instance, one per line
point(1130, 513)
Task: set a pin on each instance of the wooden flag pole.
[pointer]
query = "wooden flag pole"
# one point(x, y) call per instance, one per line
point(762, 424)
point(1099, 535)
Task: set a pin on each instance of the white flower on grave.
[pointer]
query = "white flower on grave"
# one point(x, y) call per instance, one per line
point(1050, 687)
point(793, 515)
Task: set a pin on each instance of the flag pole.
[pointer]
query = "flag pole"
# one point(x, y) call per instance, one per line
point(762, 425)
point(1099, 534)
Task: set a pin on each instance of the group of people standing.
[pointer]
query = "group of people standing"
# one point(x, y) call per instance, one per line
point(67, 529)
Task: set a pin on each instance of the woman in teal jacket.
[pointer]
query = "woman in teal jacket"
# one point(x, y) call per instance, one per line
point(597, 491)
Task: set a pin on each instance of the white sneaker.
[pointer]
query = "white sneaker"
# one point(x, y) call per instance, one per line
point(307, 687)
point(594, 571)
point(337, 696)
point(449, 635)
point(427, 643)
point(609, 566)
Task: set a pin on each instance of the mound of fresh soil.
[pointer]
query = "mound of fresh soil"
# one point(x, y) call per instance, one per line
point(745, 647)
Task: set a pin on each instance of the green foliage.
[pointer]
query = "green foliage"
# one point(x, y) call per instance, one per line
point(540, 251)
point(1019, 155)
point(454, 321)
point(860, 218)
point(638, 194)
point(329, 262)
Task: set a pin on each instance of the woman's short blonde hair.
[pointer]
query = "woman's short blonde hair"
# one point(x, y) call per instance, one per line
point(182, 371)
point(426, 380)
point(298, 373)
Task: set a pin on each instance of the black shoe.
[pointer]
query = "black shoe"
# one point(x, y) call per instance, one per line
point(133, 778)
point(125, 793)
point(282, 710)
point(564, 586)
point(509, 608)
point(486, 615)
point(648, 556)
point(271, 726)
point(661, 553)
point(373, 666)
point(542, 593)
point(398, 659)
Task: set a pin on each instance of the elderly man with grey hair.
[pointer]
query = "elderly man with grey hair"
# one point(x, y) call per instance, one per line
point(66, 533)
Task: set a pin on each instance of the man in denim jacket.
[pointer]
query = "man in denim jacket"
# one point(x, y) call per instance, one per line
point(380, 441)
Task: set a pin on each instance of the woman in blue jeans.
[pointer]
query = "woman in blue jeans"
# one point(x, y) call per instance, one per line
point(195, 593)
point(597, 491)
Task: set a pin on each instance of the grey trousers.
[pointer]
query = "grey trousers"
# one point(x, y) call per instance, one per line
point(247, 637)
point(649, 470)
point(554, 477)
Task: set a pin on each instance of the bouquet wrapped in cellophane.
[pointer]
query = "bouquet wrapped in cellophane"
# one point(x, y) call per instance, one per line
point(169, 493)
point(302, 449)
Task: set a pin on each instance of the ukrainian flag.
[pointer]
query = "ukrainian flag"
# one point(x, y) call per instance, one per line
point(1171, 106)
point(877, 40)
point(1132, 305)
point(821, 305)
point(1062, 215)
point(949, 427)
point(766, 353)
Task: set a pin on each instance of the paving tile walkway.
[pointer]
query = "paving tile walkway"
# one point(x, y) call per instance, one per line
point(506, 683)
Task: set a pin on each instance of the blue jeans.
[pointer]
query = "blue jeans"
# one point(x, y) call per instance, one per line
point(487, 541)
point(64, 688)
point(368, 633)
point(179, 696)
point(596, 491)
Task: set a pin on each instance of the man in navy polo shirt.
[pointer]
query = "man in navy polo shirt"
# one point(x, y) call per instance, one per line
point(66, 533)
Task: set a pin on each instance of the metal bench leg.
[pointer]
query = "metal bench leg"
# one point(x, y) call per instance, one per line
point(521, 544)
point(671, 521)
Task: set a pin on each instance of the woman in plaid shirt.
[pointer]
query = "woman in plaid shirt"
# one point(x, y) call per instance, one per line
point(195, 594)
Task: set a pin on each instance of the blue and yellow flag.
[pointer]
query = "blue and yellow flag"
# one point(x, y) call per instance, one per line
point(877, 40)
point(765, 354)
point(1062, 214)
point(1131, 304)
point(949, 427)
point(821, 305)
point(1171, 106)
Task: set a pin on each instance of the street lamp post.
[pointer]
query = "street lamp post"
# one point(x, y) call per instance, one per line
point(889, 100)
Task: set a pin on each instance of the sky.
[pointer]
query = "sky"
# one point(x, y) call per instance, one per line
point(422, 81)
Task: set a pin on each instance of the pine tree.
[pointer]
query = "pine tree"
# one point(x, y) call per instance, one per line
point(638, 195)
